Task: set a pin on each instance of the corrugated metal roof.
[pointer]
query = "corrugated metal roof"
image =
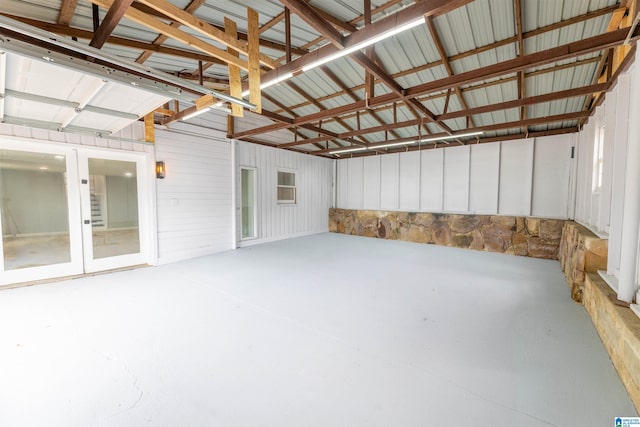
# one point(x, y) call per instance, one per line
point(411, 57)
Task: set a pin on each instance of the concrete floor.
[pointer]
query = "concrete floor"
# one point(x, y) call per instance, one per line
point(326, 330)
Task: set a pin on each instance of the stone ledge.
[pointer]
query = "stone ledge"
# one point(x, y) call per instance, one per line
point(619, 330)
point(581, 252)
point(524, 236)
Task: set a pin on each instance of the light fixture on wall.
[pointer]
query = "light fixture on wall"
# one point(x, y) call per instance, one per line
point(160, 170)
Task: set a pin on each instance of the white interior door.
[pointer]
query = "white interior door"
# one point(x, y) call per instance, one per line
point(39, 211)
point(115, 225)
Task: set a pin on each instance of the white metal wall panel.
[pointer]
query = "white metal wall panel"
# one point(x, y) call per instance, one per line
point(371, 187)
point(343, 184)
point(456, 179)
point(389, 168)
point(516, 167)
point(484, 178)
point(431, 174)
point(354, 183)
point(551, 166)
point(410, 181)
point(194, 200)
point(310, 213)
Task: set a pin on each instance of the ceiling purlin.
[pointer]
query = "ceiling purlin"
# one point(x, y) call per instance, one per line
point(496, 127)
point(191, 8)
point(574, 20)
point(570, 50)
point(304, 11)
point(293, 130)
point(308, 97)
point(186, 38)
point(447, 65)
point(109, 22)
point(196, 24)
point(118, 41)
point(350, 93)
point(570, 93)
point(354, 22)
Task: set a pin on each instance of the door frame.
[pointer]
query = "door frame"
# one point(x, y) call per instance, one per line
point(255, 203)
point(73, 152)
point(145, 188)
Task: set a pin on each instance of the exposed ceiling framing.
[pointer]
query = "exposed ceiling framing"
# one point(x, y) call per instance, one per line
point(504, 68)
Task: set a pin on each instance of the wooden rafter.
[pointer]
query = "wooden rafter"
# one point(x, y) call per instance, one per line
point(447, 65)
point(174, 33)
point(67, 9)
point(191, 8)
point(522, 86)
point(570, 93)
point(196, 24)
point(109, 23)
point(570, 50)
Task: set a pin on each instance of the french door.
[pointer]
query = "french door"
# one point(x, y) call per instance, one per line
point(66, 211)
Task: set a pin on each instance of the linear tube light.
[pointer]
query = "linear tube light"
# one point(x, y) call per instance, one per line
point(279, 79)
point(460, 135)
point(365, 43)
point(348, 150)
point(393, 144)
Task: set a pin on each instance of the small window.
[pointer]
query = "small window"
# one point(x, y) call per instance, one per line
point(286, 187)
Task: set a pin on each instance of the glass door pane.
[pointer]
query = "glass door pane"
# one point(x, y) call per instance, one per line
point(247, 178)
point(34, 209)
point(113, 192)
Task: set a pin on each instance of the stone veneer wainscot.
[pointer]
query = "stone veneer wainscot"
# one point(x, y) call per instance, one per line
point(515, 235)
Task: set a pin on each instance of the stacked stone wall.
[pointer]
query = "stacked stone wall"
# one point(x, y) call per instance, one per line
point(533, 237)
point(581, 252)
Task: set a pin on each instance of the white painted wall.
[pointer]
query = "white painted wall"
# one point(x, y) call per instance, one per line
point(314, 178)
point(613, 211)
point(194, 200)
point(523, 177)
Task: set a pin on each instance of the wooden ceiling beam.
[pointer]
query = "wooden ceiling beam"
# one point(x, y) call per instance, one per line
point(314, 19)
point(174, 33)
point(191, 8)
point(570, 93)
point(117, 41)
point(510, 137)
point(445, 60)
point(408, 14)
point(109, 23)
point(494, 127)
point(570, 50)
point(67, 9)
point(522, 86)
point(196, 24)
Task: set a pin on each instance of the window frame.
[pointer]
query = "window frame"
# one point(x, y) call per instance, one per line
point(286, 202)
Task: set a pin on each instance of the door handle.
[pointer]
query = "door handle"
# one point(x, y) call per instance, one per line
point(87, 221)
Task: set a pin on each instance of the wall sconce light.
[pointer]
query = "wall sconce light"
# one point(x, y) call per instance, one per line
point(160, 170)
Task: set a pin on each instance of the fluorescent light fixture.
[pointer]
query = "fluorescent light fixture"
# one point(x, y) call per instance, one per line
point(365, 43)
point(393, 144)
point(195, 114)
point(279, 79)
point(460, 135)
point(347, 150)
